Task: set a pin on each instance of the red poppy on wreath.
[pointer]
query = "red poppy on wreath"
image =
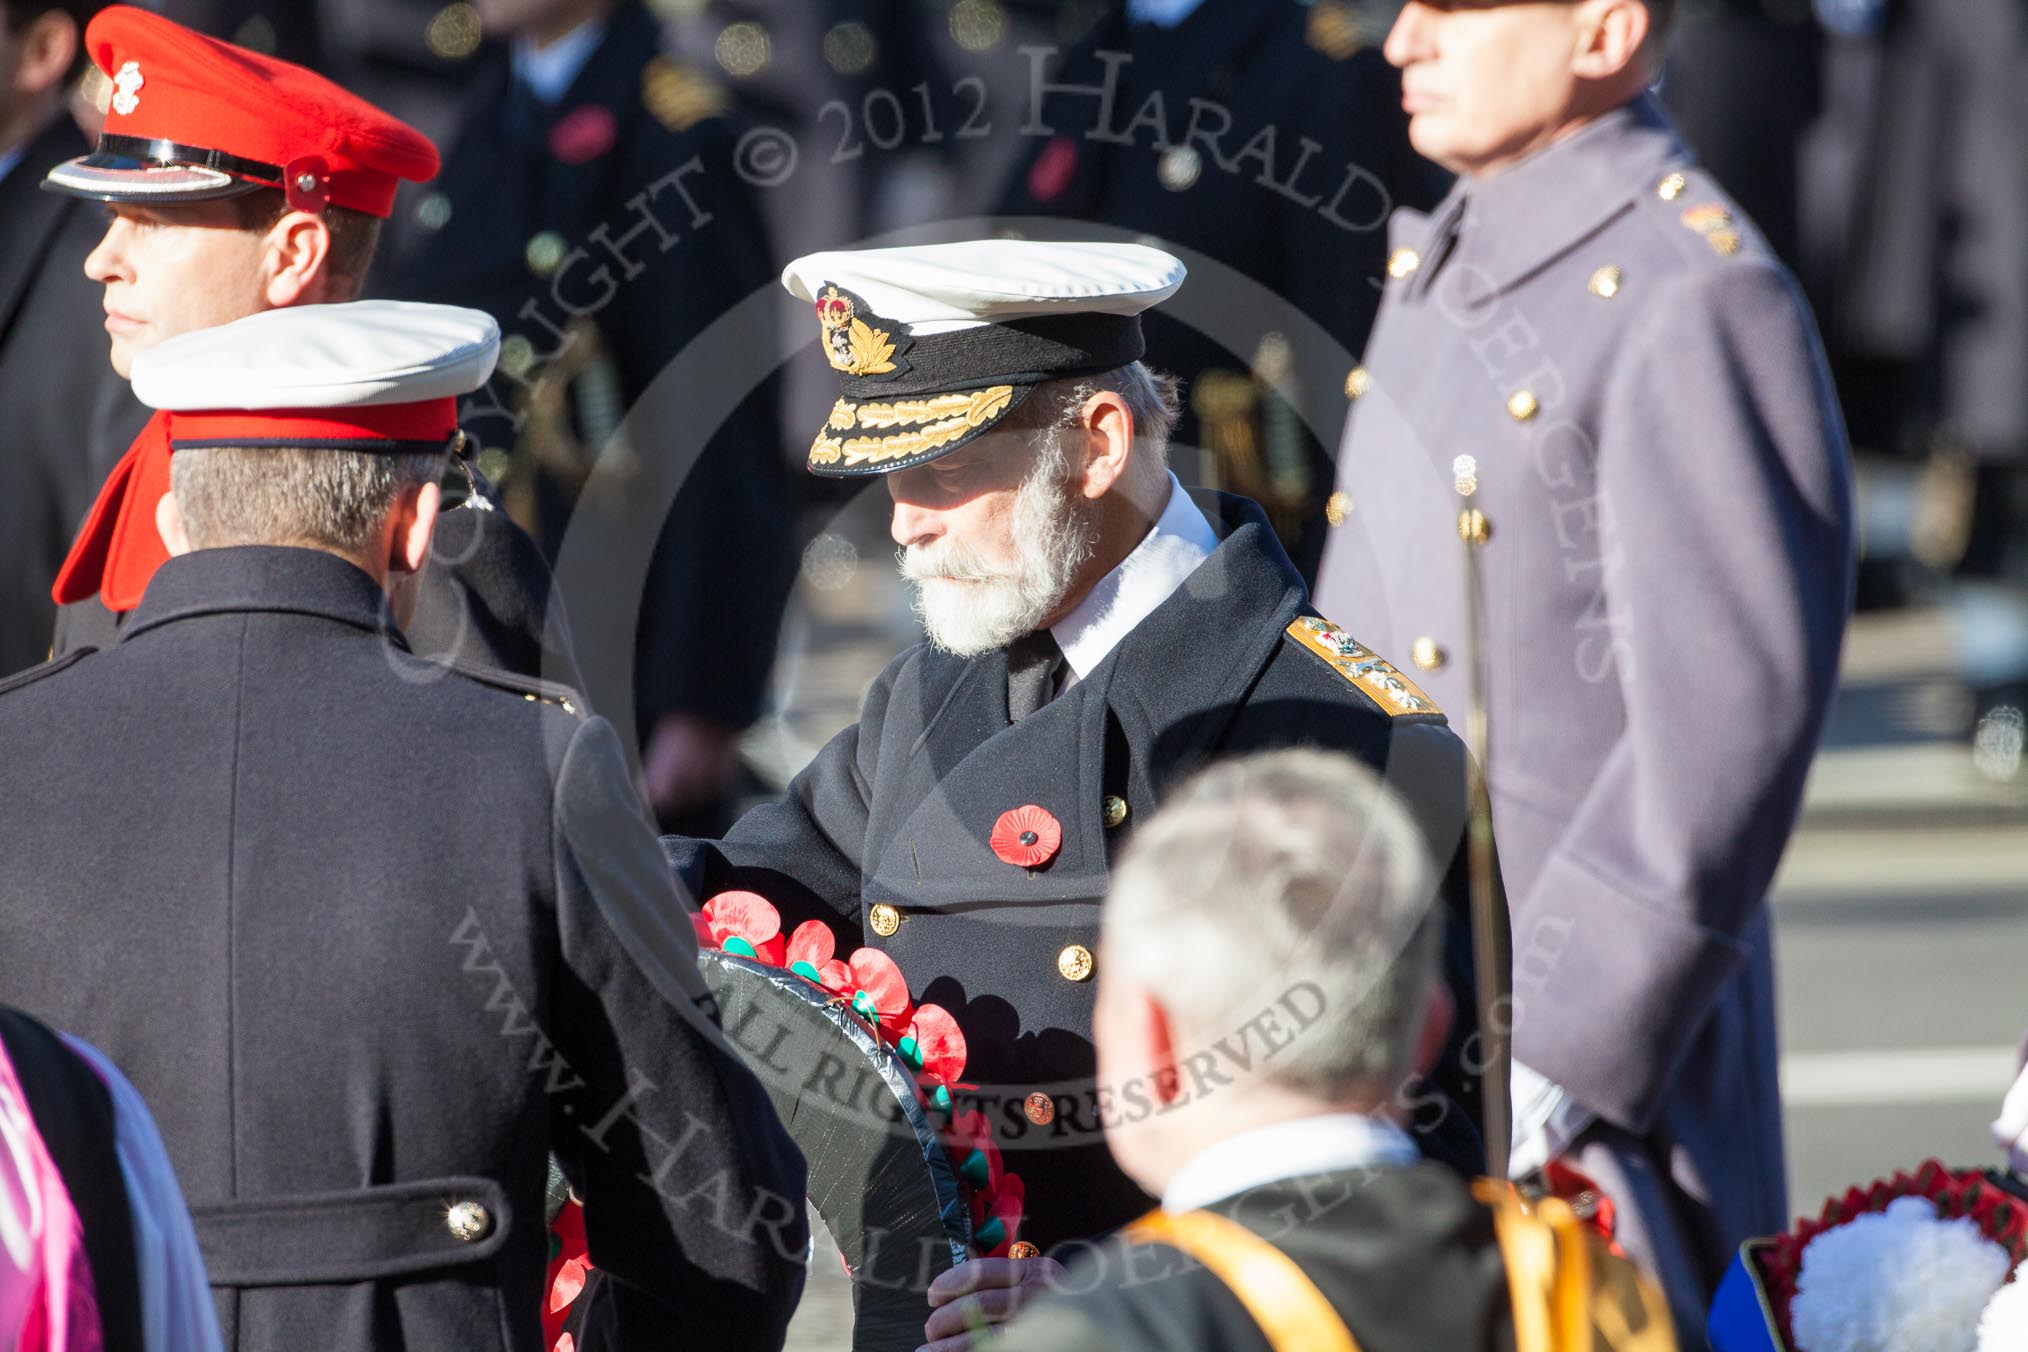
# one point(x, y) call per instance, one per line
point(569, 1264)
point(1026, 836)
point(996, 1216)
point(744, 923)
point(879, 993)
point(812, 955)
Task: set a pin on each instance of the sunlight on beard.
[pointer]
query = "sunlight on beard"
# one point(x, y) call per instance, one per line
point(969, 607)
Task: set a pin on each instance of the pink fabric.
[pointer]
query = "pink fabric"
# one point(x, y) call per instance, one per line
point(47, 1302)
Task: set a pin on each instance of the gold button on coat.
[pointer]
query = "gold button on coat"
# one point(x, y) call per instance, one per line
point(1115, 809)
point(1427, 654)
point(468, 1221)
point(1605, 283)
point(883, 919)
point(1402, 262)
point(1075, 963)
point(1041, 1109)
point(1473, 528)
point(1021, 1248)
point(1523, 405)
point(1337, 507)
point(1357, 382)
point(1671, 188)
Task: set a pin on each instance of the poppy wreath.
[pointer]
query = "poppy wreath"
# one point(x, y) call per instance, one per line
point(1774, 1269)
point(925, 1038)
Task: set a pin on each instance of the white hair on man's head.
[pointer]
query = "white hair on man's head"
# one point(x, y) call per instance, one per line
point(1273, 872)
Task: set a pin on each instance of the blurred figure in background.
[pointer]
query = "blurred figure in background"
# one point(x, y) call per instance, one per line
point(69, 415)
point(591, 205)
point(1915, 248)
point(1270, 138)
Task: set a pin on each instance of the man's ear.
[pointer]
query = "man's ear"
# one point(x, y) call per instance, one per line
point(1109, 440)
point(169, 525)
point(1610, 37)
point(1157, 1038)
point(47, 47)
point(415, 520)
point(298, 260)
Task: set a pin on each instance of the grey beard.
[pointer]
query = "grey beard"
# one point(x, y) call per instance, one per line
point(966, 607)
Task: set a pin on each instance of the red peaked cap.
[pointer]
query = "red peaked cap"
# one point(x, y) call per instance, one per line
point(195, 90)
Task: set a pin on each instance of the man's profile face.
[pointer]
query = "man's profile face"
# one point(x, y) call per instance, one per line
point(169, 270)
point(1485, 82)
point(992, 536)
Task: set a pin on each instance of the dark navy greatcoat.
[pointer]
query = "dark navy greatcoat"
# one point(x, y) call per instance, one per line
point(373, 938)
point(897, 810)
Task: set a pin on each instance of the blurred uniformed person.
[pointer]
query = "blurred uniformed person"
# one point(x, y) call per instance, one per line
point(1294, 1213)
point(592, 205)
point(1589, 364)
point(1093, 633)
point(238, 183)
point(374, 940)
point(1270, 138)
point(69, 416)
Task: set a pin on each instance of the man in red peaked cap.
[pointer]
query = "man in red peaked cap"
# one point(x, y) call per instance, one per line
point(238, 183)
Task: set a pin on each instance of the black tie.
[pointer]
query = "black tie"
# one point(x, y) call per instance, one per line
point(1035, 666)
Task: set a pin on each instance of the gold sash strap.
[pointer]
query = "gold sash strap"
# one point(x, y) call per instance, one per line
point(1570, 1293)
point(1291, 1311)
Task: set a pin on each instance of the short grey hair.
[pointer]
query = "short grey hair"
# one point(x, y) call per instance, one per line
point(1266, 874)
point(340, 500)
point(1154, 398)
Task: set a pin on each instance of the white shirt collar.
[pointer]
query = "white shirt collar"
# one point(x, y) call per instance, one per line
point(1328, 1143)
point(1179, 540)
point(550, 70)
point(1161, 13)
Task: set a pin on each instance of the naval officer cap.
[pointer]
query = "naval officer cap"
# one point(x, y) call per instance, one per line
point(934, 344)
point(372, 375)
point(189, 118)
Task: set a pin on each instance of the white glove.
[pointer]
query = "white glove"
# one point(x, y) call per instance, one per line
point(1546, 1120)
point(2010, 1130)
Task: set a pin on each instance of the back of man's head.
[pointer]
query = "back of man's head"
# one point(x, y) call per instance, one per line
point(1293, 883)
point(339, 501)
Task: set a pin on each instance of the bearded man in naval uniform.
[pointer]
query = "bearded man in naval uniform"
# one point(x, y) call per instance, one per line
point(1094, 634)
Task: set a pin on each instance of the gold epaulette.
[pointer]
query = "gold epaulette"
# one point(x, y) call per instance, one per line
point(1375, 677)
point(681, 96)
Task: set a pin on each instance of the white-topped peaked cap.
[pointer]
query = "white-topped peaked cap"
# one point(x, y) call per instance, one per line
point(362, 354)
point(935, 343)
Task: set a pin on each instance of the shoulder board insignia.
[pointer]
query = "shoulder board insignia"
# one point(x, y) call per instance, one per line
point(1714, 222)
point(530, 689)
point(679, 96)
point(30, 675)
point(1374, 676)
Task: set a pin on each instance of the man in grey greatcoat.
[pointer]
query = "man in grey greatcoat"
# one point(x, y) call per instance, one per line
point(1588, 363)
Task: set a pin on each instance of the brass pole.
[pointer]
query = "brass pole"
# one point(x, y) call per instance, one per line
point(1488, 897)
